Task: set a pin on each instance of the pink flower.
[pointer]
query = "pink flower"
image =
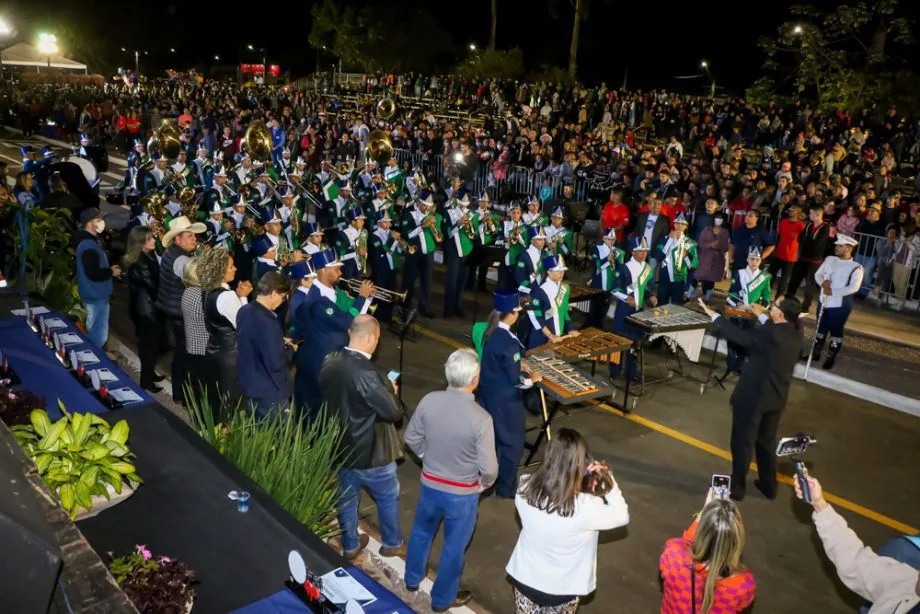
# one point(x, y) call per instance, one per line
point(165, 559)
point(142, 550)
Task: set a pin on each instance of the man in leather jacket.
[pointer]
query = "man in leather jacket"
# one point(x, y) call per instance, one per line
point(365, 402)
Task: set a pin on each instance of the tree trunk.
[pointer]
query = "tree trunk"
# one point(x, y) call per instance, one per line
point(576, 32)
point(494, 25)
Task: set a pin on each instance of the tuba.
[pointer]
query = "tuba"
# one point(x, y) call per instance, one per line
point(257, 140)
point(386, 109)
point(168, 143)
point(380, 147)
point(155, 206)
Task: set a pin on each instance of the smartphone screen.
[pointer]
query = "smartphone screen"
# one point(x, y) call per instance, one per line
point(721, 484)
point(393, 375)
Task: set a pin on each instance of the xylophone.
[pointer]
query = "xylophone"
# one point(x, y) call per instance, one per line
point(685, 327)
point(564, 383)
point(735, 312)
point(578, 294)
point(591, 343)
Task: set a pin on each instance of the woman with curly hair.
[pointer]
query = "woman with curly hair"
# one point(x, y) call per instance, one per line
point(216, 270)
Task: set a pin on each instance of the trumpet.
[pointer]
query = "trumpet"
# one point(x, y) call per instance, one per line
point(381, 294)
point(489, 222)
point(403, 244)
point(433, 225)
point(467, 222)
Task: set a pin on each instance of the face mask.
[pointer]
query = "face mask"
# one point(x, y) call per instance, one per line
point(717, 221)
point(100, 226)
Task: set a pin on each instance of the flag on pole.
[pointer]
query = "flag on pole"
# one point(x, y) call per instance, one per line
point(331, 190)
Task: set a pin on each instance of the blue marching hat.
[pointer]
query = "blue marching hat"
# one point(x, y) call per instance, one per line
point(638, 244)
point(236, 200)
point(382, 216)
point(300, 270)
point(84, 137)
point(138, 143)
point(355, 213)
point(25, 150)
point(680, 219)
point(269, 215)
point(261, 244)
point(535, 232)
point(312, 228)
point(46, 151)
point(754, 252)
point(325, 258)
point(156, 156)
point(506, 300)
point(554, 263)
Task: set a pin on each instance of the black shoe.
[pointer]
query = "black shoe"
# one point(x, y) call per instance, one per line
point(737, 494)
point(831, 355)
point(157, 378)
point(152, 388)
point(463, 597)
point(768, 493)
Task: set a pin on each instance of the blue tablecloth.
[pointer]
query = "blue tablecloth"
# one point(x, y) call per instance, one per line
point(285, 602)
point(42, 374)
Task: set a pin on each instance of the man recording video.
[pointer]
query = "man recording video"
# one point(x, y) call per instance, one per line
point(890, 585)
point(760, 395)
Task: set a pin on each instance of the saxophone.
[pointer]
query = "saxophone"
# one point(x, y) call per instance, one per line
point(284, 252)
point(361, 251)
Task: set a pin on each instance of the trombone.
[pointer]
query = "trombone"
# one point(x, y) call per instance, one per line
point(353, 286)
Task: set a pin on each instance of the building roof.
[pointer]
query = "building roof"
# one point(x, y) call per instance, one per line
point(22, 54)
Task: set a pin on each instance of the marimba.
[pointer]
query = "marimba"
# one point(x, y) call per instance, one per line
point(564, 383)
point(578, 294)
point(590, 344)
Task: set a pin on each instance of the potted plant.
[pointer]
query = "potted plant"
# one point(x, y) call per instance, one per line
point(81, 458)
point(16, 406)
point(155, 584)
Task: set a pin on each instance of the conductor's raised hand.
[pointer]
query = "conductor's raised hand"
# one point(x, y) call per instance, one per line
point(367, 288)
point(709, 311)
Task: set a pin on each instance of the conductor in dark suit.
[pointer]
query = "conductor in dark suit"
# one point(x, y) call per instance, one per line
point(760, 395)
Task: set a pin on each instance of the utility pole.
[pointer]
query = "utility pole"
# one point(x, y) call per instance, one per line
point(625, 75)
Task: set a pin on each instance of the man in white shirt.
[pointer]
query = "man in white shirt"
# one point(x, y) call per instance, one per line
point(840, 277)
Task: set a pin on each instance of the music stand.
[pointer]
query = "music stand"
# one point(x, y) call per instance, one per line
point(578, 213)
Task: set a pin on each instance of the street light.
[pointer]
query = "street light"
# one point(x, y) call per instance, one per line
point(217, 58)
point(705, 66)
point(47, 44)
point(172, 49)
point(797, 30)
point(250, 47)
point(473, 47)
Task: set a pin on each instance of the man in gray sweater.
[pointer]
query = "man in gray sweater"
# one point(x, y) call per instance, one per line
point(455, 439)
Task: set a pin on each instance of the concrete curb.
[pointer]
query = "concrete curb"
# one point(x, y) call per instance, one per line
point(825, 379)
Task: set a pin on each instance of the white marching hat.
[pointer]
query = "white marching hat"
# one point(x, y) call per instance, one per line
point(846, 240)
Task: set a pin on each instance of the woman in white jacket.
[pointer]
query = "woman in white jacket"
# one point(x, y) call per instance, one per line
point(563, 508)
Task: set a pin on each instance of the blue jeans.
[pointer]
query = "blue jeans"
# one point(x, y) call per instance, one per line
point(263, 408)
point(868, 263)
point(384, 488)
point(459, 515)
point(97, 321)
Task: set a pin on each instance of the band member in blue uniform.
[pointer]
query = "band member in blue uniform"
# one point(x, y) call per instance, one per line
point(749, 285)
point(351, 244)
point(302, 275)
point(632, 289)
point(549, 311)
point(528, 270)
point(501, 386)
point(326, 313)
point(677, 254)
point(314, 238)
point(840, 278)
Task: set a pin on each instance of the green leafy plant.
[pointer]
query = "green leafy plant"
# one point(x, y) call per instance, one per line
point(79, 456)
point(154, 584)
point(49, 260)
point(296, 462)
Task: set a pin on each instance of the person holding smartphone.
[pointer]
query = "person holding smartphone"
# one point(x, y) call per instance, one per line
point(562, 512)
point(702, 568)
point(890, 585)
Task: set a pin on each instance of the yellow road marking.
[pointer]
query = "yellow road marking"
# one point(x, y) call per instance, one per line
point(711, 449)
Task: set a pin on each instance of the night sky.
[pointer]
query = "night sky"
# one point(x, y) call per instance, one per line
point(656, 41)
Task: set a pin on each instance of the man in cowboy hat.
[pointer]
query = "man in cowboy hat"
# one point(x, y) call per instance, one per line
point(327, 312)
point(180, 243)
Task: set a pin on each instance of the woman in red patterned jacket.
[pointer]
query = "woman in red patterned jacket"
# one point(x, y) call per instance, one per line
point(712, 547)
